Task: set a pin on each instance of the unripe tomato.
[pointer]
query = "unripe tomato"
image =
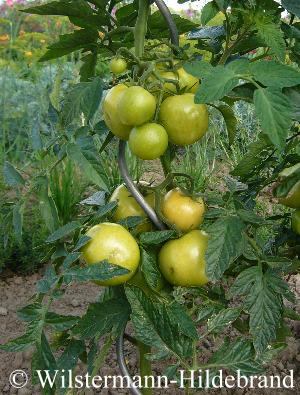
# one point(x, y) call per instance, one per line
point(110, 112)
point(129, 207)
point(187, 81)
point(148, 141)
point(293, 198)
point(118, 65)
point(296, 221)
point(114, 243)
point(183, 211)
point(184, 121)
point(136, 106)
point(182, 261)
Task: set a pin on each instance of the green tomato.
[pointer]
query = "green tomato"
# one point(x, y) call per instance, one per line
point(112, 242)
point(182, 261)
point(118, 66)
point(148, 141)
point(184, 121)
point(110, 112)
point(129, 207)
point(296, 221)
point(136, 106)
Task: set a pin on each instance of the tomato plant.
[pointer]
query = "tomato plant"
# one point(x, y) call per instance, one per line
point(230, 269)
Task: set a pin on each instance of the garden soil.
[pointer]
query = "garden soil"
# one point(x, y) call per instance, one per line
point(16, 291)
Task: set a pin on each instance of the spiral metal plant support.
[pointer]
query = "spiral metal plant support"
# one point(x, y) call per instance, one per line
point(138, 196)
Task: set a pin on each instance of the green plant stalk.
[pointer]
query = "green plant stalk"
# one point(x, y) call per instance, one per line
point(140, 28)
point(145, 366)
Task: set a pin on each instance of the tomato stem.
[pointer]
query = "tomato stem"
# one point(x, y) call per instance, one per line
point(145, 366)
point(140, 28)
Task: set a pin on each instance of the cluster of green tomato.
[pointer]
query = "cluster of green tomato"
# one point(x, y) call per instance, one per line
point(131, 112)
point(181, 261)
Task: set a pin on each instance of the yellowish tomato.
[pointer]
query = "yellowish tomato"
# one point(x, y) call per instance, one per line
point(112, 242)
point(183, 211)
point(110, 112)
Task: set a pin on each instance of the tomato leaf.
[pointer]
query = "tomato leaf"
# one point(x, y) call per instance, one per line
point(264, 292)
point(80, 158)
point(64, 8)
point(96, 199)
point(43, 360)
point(208, 12)
point(12, 176)
point(225, 245)
point(272, 73)
point(97, 272)
point(271, 34)
point(102, 318)
point(154, 327)
point(63, 231)
point(256, 154)
point(68, 359)
point(274, 112)
point(150, 269)
point(60, 322)
point(151, 238)
point(230, 121)
point(236, 355)
point(222, 320)
point(83, 98)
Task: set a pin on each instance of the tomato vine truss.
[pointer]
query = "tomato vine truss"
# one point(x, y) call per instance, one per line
point(136, 193)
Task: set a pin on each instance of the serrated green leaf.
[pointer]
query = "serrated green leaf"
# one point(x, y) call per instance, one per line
point(68, 359)
point(48, 281)
point(271, 34)
point(150, 269)
point(215, 87)
point(85, 98)
point(263, 302)
point(208, 12)
point(274, 112)
point(88, 68)
point(222, 320)
point(87, 167)
point(71, 258)
point(97, 199)
point(64, 8)
point(230, 121)
point(153, 326)
point(106, 209)
point(82, 241)
point(272, 73)
point(63, 231)
point(60, 322)
point(153, 238)
point(68, 43)
point(256, 153)
point(12, 176)
point(101, 318)
point(207, 310)
point(30, 312)
point(293, 95)
point(180, 318)
point(224, 246)
point(198, 68)
point(97, 272)
point(132, 222)
point(43, 361)
point(249, 216)
point(32, 334)
point(237, 355)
